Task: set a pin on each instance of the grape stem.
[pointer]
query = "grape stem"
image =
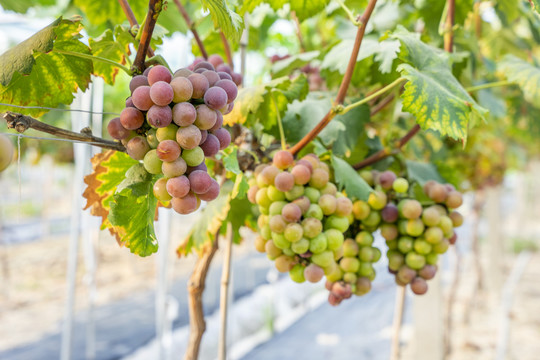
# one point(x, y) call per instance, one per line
point(94, 58)
point(21, 123)
point(154, 8)
point(191, 26)
point(375, 95)
point(489, 85)
point(349, 13)
point(344, 82)
point(132, 21)
point(280, 124)
point(227, 48)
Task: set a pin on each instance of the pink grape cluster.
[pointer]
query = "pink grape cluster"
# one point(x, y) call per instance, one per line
point(172, 122)
point(302, 216)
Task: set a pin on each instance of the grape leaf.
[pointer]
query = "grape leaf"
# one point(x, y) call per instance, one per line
point(103, 11)
point(209, 222)
point(106, 46)
point(133, 210)
point(432, 94)
point(347, 178)
point(240, 214)
point(109, 171)
point(303, 8)
point(337, 58)
point(423, 172)
point(32, 73)
point(230, 22)
point(230, 160)
point(256, 104)
point(286, 66)
point(350, 143)
point(524, 74)
point(22, 6)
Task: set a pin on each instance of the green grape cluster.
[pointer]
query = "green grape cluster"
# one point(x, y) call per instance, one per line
point(303, 217)
point(172, 122)
point(416, 233)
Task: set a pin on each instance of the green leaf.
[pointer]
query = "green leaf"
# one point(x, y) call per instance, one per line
point(423, 172)
point(286, 66)
point(524, 74)
point(33, 74)
point(106, 46)
point(351, 143)
point(303, 8)
point(209, 222)
point(432, 94)
point(133, 211)
point(107, 11)
point(21, 6)
point(240, 214)
point(230, 160)
point(230, 22)
point(355, 186)
point(337, 58)
point(240, 188)
point(535, 5)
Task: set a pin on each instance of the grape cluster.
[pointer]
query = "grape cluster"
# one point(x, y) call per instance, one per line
point(173, 121)
point(302, 216)
point(416, 233)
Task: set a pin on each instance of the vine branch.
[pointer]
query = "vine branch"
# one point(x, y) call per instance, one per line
point(449, 28)
point(344, 83)
point(154, 8)
point(132, 20)
point(21, 123)
point(191, 26)
point(227, 48)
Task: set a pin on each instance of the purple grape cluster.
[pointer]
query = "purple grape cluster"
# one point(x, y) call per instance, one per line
point(172, 122)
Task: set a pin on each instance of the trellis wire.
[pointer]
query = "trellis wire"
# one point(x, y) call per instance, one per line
point(58, 109)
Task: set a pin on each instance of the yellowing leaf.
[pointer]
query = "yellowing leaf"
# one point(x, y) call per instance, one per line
point(524, 74)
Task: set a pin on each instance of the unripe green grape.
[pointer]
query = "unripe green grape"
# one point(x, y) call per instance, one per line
point(367, 175)
point(330, 189)
point(277, 224)
point(400, 185)
point(160, 190)
point(433, 235)
point(319, 178)
point(312, 227)
point(363, 286)
point(392, 244)
point(446, 226)
point(193, 157)
point(312, 194)
point(152, 139)
point(431, 216)
point(280, 241)
point(373, 219)
point(262, 198)
point(395, 260)
point(415, 261)
point(350, 277)
point(338, 253)
point(297, 273)
point(405, 244)
point(432, 259)
point(175, 168)
point(293, 232)
point(260, 244)
point(324, 259)
point(266, 233)
point(415, 227)
point(389, 231)
point(410, 209)
point(295, 192)
point(364, 238)
point(422, 247)
point(377, 200)
point(366, 254)
point(366, 270)
point(328, 204)
point(350, 248)
point(337, 222)
point(272, 251)
point(284, 263)
point(288, 252)
point(376, 254)
point(276, 207)
point(335, 239)
point(315, 211)
point(263, 210)
point(262, 220)
point(301, 246)
point(318, 244)
point(402, 226)
point(274, 194)
point(166, 133)
point(441, 247)
point(151, 162)
point(361, 210)
point(333, 272)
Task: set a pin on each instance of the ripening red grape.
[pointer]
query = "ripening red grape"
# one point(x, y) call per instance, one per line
point(284, 181)
point(116, 130)
point(137, 147)
point(225, 68)
point(343, 206)
point(161, 93)
point(230, 89)
point(301, 174)
point(211, 76)
point(313, 273)
point(168, 150)
point(210, 146)
point(215, 60)
point(185, 205)
point(160, 190)
point(212, 193)
point(319, 178)
point(184, 114)
point(188, 137)
point(223, 75)
point(131, 118)
point(159, 116)
point(386, 179)
point(204, 65)
point(206, 117)
point(419, 286)
point(291, 212)
point(215, 97)
point(201, 166)
point(454, 199)
point(219, 122)
point(390, 213)
point(200, 85)
point(141, 98)
point(200, 181)
point(438, 192)
point(179, 186)
point(159, 73)
point(237, 78)
point(428, 272)
point(182, 89)
point(136, 81)
point(224, 138)
point(283, 159)
point(184, 72)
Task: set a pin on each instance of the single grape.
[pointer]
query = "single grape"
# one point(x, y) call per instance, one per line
point(159, 116)
point(161, 93)
point(415, 227)
point(200, 85)
point(433, 235)
point(340, 223)
point(431, 216)
point(410, 209)
point(168, 150)
point(438, 193)
point(452, 240)
point(179, 186)
point(296, 192)
point(313, 273)
point(314, 211)
point(328, 204)
point(151, 137)
point(319, 178)
point(428, 272)
point(152, 163)
point(405, 244)
point(390, 213)
point(230, 89)
point(184, 114)
point(237, 78)
point(324, 259)
point(275, 195)
point(406, 274)
point(116, 130)
point(280, 241)
point(329, 189)
point(283, 159)
point(225, 68)
point(200, 181)
point(389, 231)
point(272, 251)
point(334, 300)
point(415, 261)
point(377, 200)
point(129, 102)
point(419, 286)
point(185, 205)
point(441, 247)
point(211, 76)
point(182, 89)
point(284, 181)
point(361, 210)
point(131, 118)
point(193, 157)
point(446, 226)
point(210, 146)
point(301, 174)
point(284, 263)
point(175, 168)
point(386, 179)
point(215, 60)
point(147, 70)
point(422, 247)
point(160, 190)
point(136, 81)
point(223, 75)
point(184, 72)
point(312, 227)
point(291, 212)
point(364, 238)
point(454, 199)
point(312, 194)
point(303, 203)
point(137, 147)
point(206, 117)
point(373, 219)
point(277, 224)
point(219, 122)
point(297, 272)
point(367, 176)
point(141, 98)
point(400, 185)
point(159, 73)
point(260, 244)
point(301, 246)
point(166, 133)
point(252, 192)
point(343, 206)
point(224, 138)
point(342, 290)
point(204, 65)
point(188, 138)
point(293, 232)
point(395, 260)
point(335, 239)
